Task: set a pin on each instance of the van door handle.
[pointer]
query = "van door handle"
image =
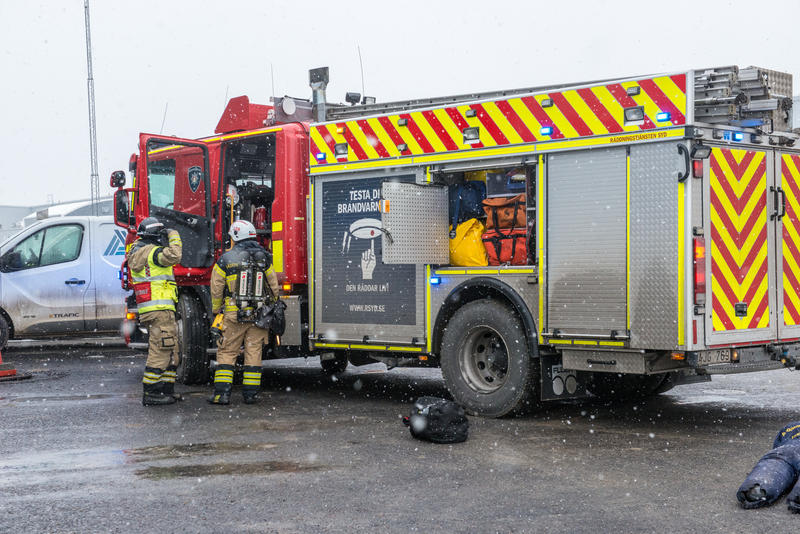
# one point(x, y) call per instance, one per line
point(74, 282)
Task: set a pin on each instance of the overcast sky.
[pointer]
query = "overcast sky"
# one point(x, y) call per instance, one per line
point(190, 54)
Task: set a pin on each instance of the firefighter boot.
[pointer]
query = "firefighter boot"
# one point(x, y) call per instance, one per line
point(223, 382)
point(153, 388)
point(251, 384)
point(168, 381)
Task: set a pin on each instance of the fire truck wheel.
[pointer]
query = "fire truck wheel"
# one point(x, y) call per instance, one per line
point(193, 332)
point(5, 332)
point(335, 365)
point(613, 386)
point(486, 362)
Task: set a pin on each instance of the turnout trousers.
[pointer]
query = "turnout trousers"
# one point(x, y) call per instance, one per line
point(163, 355)
point(234, 336)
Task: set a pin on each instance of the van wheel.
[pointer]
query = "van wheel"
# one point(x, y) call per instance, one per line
point(335, 365)
point(486, 363)
point(193, 333)
point(5, 332)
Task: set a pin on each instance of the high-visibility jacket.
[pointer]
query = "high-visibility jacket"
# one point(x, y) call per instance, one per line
point(154, 283)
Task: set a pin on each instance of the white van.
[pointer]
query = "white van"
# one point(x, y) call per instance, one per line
point(60, 277)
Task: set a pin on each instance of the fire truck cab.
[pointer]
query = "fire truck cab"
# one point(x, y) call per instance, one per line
point(199, 187)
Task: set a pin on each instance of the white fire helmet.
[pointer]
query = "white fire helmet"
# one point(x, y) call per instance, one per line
point(241, 230)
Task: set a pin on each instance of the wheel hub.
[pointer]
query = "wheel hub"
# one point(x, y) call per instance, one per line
point(483, 359)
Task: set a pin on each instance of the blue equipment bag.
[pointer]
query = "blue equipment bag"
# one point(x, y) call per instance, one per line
point(466, 201)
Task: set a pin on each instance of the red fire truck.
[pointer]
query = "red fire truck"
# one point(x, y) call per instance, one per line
point(659, 231)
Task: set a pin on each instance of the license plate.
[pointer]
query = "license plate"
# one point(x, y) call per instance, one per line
point(710, 357)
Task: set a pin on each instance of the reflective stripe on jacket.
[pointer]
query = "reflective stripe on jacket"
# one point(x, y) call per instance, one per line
point(154, 286)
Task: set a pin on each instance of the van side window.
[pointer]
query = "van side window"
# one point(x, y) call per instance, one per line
point(57, 244)
point(61, 244)
point(26, 254)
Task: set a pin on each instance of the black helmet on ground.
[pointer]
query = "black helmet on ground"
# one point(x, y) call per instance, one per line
point(150, 228)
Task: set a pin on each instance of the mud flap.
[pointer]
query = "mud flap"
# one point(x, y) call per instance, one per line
point(559, 383)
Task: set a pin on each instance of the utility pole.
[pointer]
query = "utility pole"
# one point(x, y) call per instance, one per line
point(95, 179)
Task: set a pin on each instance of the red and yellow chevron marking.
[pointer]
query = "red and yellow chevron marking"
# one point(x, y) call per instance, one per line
point(574, 113)
point(739, 260)
point(790, 183)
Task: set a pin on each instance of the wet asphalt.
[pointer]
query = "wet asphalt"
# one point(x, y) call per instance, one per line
point(79, 453)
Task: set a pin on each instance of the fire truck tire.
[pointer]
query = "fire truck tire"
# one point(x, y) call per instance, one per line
point(486, 361)
point(193, 331)
point(613, 386)
point(5, 332)
point(336, 364)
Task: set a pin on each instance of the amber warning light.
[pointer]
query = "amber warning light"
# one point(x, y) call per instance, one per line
point(699, 271)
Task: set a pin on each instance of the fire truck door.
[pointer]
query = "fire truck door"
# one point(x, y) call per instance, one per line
point(179, 192)
point(787, 175)
point(740, 242)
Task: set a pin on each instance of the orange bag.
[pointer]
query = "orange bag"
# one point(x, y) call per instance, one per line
point(506, 247)
point(505, 212)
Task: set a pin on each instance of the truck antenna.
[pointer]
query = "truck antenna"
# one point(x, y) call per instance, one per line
point(272, 77)
point(361, 64)
point(225, 103)
point(94, 178)
point(164, 119)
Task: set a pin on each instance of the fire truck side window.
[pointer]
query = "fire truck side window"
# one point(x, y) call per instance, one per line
point(175, 181)
point(161, 183)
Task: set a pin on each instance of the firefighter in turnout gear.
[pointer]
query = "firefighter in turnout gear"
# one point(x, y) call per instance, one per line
point(238, 289)
point(150, 261)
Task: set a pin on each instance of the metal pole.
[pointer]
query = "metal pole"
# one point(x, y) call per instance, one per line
point(95, 179)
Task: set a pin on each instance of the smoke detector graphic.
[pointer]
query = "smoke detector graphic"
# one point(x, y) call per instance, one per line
point(365, 228)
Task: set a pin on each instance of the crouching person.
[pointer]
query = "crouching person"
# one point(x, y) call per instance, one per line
point(150, 260)
point(238, 289)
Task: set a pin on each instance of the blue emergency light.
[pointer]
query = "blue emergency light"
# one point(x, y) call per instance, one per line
point(663, 116)
point(435, 280)
point(320, 155)
point(738, 136)
point(546, 130)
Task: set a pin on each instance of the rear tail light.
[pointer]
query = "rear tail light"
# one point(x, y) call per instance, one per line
point(697, 168)
point(699, 271)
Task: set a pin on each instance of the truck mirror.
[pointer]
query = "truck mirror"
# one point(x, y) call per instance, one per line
point(121, 209)
point(118, 179)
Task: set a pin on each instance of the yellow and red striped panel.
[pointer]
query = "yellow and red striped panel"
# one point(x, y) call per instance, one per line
point(739, 259)
point(790, 184)
point(574, 113)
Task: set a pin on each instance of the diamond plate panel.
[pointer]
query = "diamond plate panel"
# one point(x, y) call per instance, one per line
point(654, 245)
point(415, 224)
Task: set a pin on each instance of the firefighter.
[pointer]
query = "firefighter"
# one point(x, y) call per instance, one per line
point(150, 260)
point(237, 295)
